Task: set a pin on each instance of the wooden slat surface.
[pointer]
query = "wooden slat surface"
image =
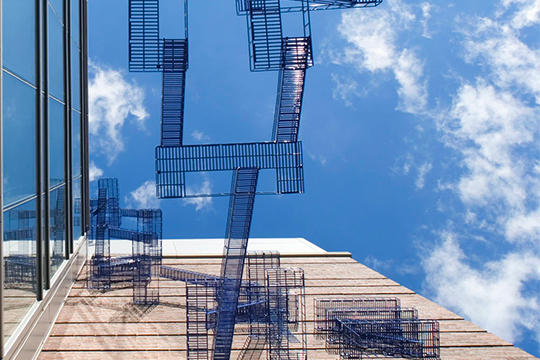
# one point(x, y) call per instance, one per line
point(101, 326)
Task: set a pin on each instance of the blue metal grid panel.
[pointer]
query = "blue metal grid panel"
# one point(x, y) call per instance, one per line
point(172, 163)
point(241, 204)
point(296, 58)
point(186, 275)
point(144, 42)
point(323, 305)
point(175, 63)
point(394, 338)
point(242, 6)
point(113, 200)
point(145, 281)
point(265, 34)
point(200, 300)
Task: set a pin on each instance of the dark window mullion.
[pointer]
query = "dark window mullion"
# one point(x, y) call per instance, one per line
point(85, 183)
point(45, 145)
point(38, 135)
point(68, 136)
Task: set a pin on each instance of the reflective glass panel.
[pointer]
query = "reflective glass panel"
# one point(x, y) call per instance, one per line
point(18, 38)
point(56, 56)
point(19, 264)
point(76, 145)
point(76, 74)
point(77, 209)
point(75, 20)
point(19, 140)
point(58, 7)
point(56, 142)
point(58, 227)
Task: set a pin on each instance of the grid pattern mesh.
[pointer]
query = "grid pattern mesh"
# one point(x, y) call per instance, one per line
point(172, 164)
point(144, 42)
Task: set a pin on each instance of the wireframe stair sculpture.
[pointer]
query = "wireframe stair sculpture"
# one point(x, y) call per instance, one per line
point(142, 268)
point(367, 327)
point(237, 235)
point(270, 299)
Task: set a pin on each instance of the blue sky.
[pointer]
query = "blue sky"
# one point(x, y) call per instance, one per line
point(420, 124)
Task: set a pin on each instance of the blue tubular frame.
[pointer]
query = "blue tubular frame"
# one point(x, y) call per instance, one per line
point(143, 267)
point(172, 163)
point(296, 59)
point(144, 42)
point(238, 226)
point(175, 64)
point(315, 5)
point(353, 328)
point(265, 34)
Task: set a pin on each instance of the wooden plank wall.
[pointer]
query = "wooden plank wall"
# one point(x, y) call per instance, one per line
point(102, 326)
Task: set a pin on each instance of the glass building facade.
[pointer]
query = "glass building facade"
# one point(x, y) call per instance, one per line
point(44, 147)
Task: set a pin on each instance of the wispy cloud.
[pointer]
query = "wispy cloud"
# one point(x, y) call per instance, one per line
point(344, 89)
point(493, 295)
point(201, 203)
point(144, 197)
point(318, 158)
point(112, 100)
point(423, 170)
point(491, 127)
point(426, 16)
point(372, 46)
point(199, 135)
point(95, 172)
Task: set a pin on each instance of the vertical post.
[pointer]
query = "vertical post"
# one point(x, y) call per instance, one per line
point(45, 148)
point(85, 182)
point(1, 200)
point(68, 120)
point(39, 205)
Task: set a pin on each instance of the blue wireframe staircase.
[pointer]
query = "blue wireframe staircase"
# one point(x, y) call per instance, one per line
point(144, 42)
point(265, 34)
point(242, 6)
point(296, 59)
point(234, 254)
point(175, 64)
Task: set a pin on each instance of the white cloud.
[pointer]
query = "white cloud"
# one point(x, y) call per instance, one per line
point(203, 202)
point(528, 13)
point(95, 172)
point(372, 38)
point(319, 158)
point(493, 296)
point(112, 100)
point(489, 128)
point(344, 89)
point(492, 129)
point(144, 197)
point(423, 170)
point(376, 264)
point(426, 15)
point(412, 90)
point(511, 62)
point(493, 126)
point(199, 135)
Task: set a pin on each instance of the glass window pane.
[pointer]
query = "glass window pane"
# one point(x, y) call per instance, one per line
point(58, 228)
point(75, 20)
point(58, 7)
point(19, 140)
point(75, 71)
point(56, 142)
point(56, 56)
point(77, 230)
point(19, 264)
point(18, 38)
point(76, 145)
